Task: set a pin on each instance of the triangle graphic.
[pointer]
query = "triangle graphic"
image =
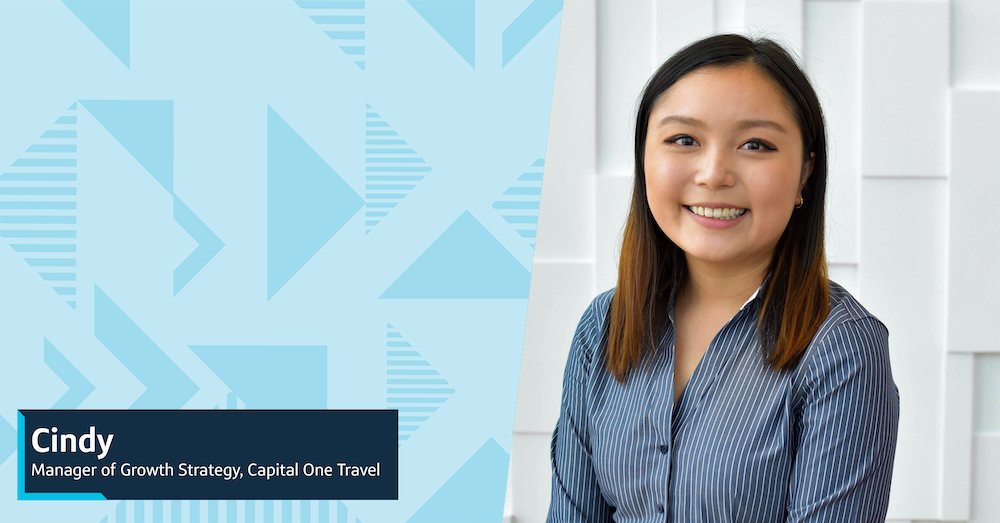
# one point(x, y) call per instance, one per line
point(343, 23)
point(413, 387)
point(8, 440)
point(270, 376)
point(527, 25)
point(307, 202)
point(455, 21)
point(145, 128)
point(475, 492)
point(79, 386)
point(519, 204)
point(465, 262)
point(208, 245)
point(108, 20)
point(392, 169)
point(48, 240)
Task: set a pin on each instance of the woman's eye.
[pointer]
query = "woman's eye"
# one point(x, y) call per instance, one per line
point(757, 145)
point(682, 140)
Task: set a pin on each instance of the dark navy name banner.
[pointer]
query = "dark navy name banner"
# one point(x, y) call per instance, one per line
point(208, 454)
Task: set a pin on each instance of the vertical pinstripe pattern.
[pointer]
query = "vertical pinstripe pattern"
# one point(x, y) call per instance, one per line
point(745, 443)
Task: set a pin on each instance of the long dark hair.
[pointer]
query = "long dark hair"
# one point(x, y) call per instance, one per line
point(652, 268)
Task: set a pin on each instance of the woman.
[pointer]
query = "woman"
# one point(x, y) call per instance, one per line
point(726, 378)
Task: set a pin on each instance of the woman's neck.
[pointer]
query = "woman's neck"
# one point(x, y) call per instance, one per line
point(710, 286)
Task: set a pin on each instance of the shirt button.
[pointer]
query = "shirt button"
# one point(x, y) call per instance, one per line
point(659, 508)
point(663, 449)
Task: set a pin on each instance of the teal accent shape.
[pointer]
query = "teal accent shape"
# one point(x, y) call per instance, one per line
point(454, 20)
point(208, 245)
point(45, 496)
point(167, 387)
point(473, 493)
point(145, 128)
point(72, 107)
point(108, 20)
point(270, 376)
point(527, 25)
point(466, 261)
point(8, 439)
point(79, 386)
point(307, 202)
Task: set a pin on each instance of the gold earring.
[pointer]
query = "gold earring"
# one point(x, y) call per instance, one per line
point(801, 201)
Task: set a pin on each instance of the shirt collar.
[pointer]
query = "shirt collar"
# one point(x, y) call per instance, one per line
point(752, 296)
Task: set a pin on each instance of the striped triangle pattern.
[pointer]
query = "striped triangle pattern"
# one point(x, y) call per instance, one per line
point(343, 22)
point(518, 205)
point(392, 168)
point(38, 205)
point(413, 387)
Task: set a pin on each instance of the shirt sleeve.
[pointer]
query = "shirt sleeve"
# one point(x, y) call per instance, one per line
point(576, 495)
point(847, 434)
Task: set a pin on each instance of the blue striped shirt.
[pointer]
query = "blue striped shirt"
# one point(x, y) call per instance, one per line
point(745, 443)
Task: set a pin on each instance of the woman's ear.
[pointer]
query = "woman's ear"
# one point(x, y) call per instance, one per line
point(807, 169)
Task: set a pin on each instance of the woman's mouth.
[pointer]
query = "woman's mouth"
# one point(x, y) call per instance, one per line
point(726, 213)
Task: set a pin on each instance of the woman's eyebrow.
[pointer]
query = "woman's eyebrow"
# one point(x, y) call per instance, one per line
point(741, 125)
point(746, 124)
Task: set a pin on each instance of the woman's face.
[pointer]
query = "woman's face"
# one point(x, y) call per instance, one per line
point(724, 141)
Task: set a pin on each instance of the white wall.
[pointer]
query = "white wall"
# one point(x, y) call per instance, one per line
point(911, 91)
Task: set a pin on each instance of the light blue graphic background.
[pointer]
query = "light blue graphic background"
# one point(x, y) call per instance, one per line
point(312, 204)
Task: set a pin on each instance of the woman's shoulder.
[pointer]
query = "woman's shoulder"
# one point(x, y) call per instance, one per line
point(845, 310)
point(844, 306)
point(851, 337)
point(590, 330)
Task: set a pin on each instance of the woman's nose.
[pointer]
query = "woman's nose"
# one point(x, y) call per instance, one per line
point(716, 169)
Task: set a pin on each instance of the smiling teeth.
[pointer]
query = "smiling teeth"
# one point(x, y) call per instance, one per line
point(718, 214)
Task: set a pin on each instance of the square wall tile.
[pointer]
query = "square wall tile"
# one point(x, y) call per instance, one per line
point(974, 238)
point(904, 93)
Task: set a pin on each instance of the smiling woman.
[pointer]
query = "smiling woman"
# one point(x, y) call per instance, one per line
point(726, 378)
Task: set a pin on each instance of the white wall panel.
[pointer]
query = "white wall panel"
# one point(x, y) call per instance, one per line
point(566, 216)
point(679, 23)
point(988, 395)
point(904, 88)
point(833, 61)
point(975, 44)
point(624, 63)
point(532, 469)
point(973, 273)
point(986, 479)
point(560, 293)
point(780, 20)
point(846, 275)
point(614, 196)
point(901, 279)
point(956, 439)
point(729, 16)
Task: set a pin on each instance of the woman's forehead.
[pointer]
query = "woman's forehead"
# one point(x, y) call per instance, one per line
point(722, 95)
